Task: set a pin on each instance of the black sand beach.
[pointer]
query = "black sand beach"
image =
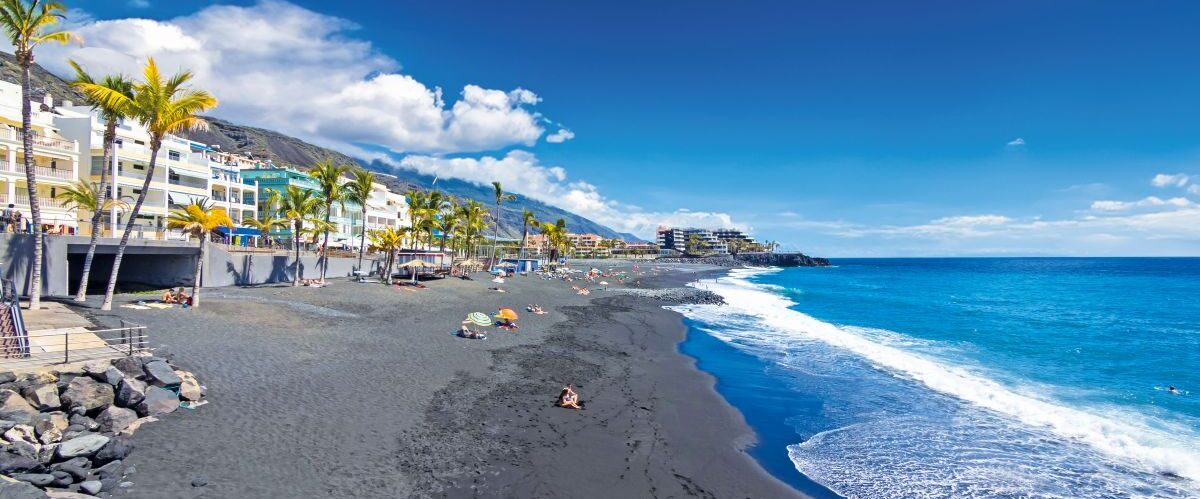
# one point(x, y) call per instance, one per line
point(360, 390)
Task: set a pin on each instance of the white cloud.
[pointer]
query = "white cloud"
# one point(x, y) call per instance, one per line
point(521, 172)
point(1169, 180)
point(139, 4)
point(1017, 142)
point(562, 135)
point(1194, 189)
point(280, 66)
point(1148, 202)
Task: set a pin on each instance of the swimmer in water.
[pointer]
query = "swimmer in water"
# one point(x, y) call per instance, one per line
point(1171, 389)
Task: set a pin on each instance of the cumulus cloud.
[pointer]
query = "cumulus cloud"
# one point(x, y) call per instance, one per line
point(1017, 142)
point(280, 66)
point(1147, 202)
point(521, 172)
point(562, 135)
point(1170, 180)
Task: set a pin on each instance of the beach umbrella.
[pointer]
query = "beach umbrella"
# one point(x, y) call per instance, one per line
point(414, 265)
point(479, 319)
point(507, 313)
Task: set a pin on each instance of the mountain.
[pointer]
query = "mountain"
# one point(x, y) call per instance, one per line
point(285, 150)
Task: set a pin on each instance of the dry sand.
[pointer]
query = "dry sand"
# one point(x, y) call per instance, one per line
point(361, 390)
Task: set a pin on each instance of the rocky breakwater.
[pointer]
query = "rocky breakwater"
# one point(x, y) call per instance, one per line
point(66, 433)
point(781, 260)
point(681, 296)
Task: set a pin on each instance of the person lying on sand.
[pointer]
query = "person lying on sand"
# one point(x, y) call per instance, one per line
point(466, 332)
point(583, 291)
point(568, 398)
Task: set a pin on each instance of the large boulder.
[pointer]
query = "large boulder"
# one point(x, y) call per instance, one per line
point(21, 433)
point(159, 373)
point(189, 388)
point(158, 401)
point(131, 367)
point(50, 426)
point(14, 463)
point(14, 407)
point(16, 489)
point(118, 448)
point(44, 397)
point(87, 423)
point(88, 394)
point(84, 445)
point(39, 479)
point(114, 419)
point(130, 392)
point(7, 377)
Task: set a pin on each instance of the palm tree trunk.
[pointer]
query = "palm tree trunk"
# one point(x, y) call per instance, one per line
point(155, 144)
point(325, 245)
point(199, 268)
point(362, 238)
point(110, 132)
point(35, 211)
point(296, 236)
point(524, 236)
point(495, 235)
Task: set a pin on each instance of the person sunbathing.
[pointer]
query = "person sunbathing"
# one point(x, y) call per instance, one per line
point(467, 332)
point(568, 398)
point(182, 298)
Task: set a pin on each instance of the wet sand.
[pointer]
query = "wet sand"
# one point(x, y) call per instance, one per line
point(361, 390)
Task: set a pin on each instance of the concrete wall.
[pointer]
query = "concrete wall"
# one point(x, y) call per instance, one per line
point(16, 253)
point(242, 269)
point(153, 264)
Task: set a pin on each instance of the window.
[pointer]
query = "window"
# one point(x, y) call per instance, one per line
point(137, 166)
point(173, 155)
point(53, 164)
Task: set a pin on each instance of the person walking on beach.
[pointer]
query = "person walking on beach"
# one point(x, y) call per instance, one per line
point(6, 218)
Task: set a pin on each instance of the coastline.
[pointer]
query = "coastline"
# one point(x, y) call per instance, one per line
point(360, 391)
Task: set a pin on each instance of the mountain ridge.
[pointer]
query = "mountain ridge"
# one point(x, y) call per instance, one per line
point(283, 149)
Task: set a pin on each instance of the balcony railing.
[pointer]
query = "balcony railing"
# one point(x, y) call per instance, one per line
point(43, 201)
point(47, 142)
point(58, 173)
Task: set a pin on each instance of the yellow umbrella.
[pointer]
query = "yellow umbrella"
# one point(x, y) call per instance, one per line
point(507, 313)
point(414, 265)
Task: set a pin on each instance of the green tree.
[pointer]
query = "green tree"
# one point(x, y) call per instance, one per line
point(199, 219)
point(388, 239)
point(329, 182)
point(265, 224)
point(359, 191)
point(111, 116)
point(297, 205)
point(527, 221)
point(500, 197)
point(30, 23)
point(164, 106)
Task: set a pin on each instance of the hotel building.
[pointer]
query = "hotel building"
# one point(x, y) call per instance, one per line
point(57, 159)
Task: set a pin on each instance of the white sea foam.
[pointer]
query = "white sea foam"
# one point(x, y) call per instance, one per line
point(1150, 445)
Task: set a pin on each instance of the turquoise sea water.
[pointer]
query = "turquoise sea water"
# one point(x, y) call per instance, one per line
point(1020, 377)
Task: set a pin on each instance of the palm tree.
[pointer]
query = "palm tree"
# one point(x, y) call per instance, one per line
point(359, 191)
point(416, 212)
point(82, 196)
point(111, 116)
point(297, 205)
point(448, 222)
point(388, 239)
point(500, 196)
point(474, 221)
point(199, 219)
point(265, 225)
point(527, 221)
point(556, 235)
point(30, 23)
point(328, 177)
point(164, 106)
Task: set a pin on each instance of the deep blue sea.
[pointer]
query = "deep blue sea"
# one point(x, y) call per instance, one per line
point(990, 377)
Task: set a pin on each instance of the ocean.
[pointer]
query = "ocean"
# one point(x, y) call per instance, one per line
point(979, 377)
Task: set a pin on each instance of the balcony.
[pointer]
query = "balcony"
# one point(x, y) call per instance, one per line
point(55, 173)
point(22, 199)
point(40, 140)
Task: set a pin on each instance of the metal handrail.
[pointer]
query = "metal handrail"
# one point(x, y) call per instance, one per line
point(66, 346)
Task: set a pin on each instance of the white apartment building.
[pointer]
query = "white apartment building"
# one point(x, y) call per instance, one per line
point(185, 171)
point(57, 159)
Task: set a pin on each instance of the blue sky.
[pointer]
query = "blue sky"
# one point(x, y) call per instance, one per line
point(839, 128)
